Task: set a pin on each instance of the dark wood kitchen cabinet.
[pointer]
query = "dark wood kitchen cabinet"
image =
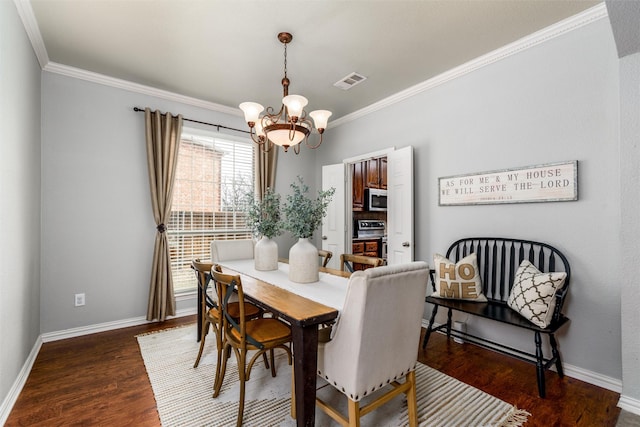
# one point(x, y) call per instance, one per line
point(358, 186)
point(376, 173)
point(366, 248)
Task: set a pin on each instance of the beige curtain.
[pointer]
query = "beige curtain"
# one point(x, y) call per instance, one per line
point(265, 169)
point(163, 141)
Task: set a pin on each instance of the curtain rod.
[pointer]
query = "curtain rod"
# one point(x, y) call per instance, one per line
point(141, 110)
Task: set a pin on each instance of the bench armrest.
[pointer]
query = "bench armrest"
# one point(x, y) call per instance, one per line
point(432, 279)
point(560, 296)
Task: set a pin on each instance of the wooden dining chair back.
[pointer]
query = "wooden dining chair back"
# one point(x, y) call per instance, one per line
point(347, 262)
point(242, 335)
point(375, 341)
point(325, 256)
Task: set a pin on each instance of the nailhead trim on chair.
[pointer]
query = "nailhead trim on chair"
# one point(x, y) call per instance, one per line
point(404, 373)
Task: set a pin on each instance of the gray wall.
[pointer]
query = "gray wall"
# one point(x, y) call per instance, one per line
point(553, 102)
point(97, 226)
point(625, 18)
point(19, 197)
point(630, 200)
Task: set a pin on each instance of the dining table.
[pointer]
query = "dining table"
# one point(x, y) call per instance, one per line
point(305, 306)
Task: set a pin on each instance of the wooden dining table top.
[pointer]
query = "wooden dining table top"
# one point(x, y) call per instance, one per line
point(293, 307)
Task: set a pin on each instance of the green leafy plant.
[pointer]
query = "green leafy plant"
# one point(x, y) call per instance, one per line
point(303, 215)
point(263, 216)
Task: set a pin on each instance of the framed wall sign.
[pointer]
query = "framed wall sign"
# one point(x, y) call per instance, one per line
point(552, 182)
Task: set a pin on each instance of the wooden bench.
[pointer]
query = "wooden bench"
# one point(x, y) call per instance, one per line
point(498, 261)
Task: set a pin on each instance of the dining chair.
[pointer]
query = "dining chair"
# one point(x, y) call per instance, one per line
point(325, 256)
point(243, 335)
point(229, 250)
point(348, 260)
point(375, 341)
point(212, 316)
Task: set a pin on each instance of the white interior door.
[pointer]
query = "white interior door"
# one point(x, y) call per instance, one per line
point(400, 239)
point(333, 230)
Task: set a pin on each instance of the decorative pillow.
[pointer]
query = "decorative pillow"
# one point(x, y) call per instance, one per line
point(533, 293)
point(459, 280)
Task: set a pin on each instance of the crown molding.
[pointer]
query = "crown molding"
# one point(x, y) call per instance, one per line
point(25, 11)
point(577, 21)
point(33, 31)
point(102, 79)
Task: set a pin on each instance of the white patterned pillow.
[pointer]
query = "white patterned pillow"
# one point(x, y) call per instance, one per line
point(534, 293)
point(459, 280)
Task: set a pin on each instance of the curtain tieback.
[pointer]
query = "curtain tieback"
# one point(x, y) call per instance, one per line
point(161, 228)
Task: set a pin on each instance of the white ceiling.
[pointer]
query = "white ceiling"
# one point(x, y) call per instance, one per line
point(226, 51)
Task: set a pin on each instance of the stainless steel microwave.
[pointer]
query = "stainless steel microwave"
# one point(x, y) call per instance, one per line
point(375, 199)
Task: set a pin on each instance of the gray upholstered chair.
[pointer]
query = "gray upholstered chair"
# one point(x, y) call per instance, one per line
point(375, 341)
point(228, 250)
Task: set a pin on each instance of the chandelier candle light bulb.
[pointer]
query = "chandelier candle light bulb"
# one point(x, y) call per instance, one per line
point(288, 126)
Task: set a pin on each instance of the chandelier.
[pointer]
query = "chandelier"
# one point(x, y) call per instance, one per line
point(288, 126)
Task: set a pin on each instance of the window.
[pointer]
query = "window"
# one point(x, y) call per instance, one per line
point(213, 175)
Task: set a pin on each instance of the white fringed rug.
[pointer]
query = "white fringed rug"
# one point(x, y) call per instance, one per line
point(184, 394)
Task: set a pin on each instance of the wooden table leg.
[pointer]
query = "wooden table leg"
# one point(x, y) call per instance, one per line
point(305, 360)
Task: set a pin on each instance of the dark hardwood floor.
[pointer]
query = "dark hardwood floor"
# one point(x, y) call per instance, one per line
point(100, 380)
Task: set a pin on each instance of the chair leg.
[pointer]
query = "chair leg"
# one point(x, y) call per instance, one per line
point(540, 365)
point(266, 361)
point(273, 364)
point(293, 392)
point(412, 400)
point(205, 328)
point(449, 313)
point(428, 332)
point(354, 413)
point(219, 376)
point(223, 369)
point(556, 355)
point(242, 371)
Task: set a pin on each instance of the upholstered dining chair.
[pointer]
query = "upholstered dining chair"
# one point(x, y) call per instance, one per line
point(325, 256)
point(375, 341)
point(212, 315)
point(229, 250)
point(348, 260)
point(243, 335)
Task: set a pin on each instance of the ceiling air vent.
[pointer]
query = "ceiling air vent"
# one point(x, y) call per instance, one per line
point(349, 81)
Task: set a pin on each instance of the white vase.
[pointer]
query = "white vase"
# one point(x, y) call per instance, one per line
point(265, 254)
point(303, 262)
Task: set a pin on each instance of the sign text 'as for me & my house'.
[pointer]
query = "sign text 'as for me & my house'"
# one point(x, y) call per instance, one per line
point(543, 183)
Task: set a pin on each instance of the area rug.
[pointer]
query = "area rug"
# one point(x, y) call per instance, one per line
point(184, 394)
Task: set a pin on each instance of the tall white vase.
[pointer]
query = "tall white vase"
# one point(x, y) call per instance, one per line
point(303, 262)
point(265, 254)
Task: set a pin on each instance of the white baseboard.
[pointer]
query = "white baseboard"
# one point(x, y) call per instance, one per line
point(107, 326)
point(18, 384)
point(613, 384)
point(16, 388)
point(629, 404)
point(594, 378)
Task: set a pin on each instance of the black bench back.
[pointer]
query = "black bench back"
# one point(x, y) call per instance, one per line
point(499, 259)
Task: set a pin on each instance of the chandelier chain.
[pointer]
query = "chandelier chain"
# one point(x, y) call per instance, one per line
point(285, 60)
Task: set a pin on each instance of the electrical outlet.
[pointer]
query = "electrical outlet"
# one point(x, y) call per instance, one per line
point(79, 300)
